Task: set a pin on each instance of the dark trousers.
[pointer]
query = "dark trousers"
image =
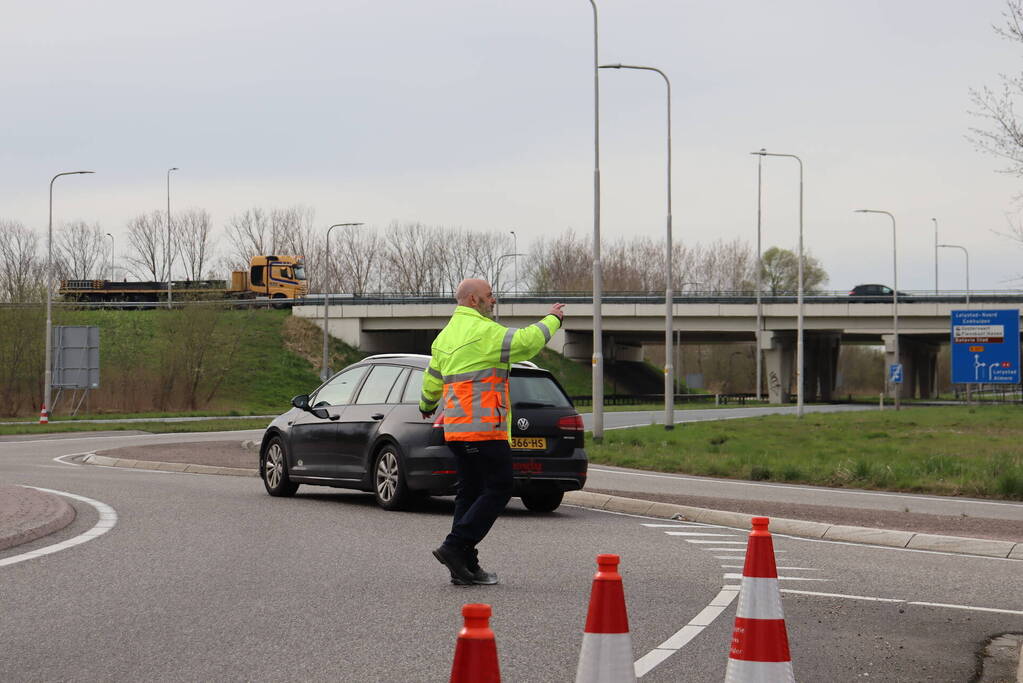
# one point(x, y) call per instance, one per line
point(484, 488)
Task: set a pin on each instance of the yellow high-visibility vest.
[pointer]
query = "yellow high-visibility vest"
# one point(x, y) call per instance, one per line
point(468, 372)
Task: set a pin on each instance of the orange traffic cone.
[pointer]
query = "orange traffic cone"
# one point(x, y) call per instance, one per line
point(476, 650)
point(606, 656)
point(44, 417)
point(760, 645)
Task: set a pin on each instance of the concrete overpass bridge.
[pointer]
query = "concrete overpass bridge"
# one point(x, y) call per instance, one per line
point(408, 324)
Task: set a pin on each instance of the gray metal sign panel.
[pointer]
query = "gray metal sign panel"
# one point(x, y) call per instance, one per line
point(75, 357)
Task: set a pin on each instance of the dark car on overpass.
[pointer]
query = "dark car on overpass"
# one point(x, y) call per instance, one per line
point(881, 294)
point(362, 430)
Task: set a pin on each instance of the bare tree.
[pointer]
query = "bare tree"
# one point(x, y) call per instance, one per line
point(560, 264)
point(413, 258)
point(354, 263)
point(147, 243)
point(22, 273)
point(248, 234)
point(194, 241)
point(79, 250)
point(1002, 133)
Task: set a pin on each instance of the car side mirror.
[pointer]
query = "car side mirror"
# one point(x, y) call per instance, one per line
point(323, 414)
point(301, 402)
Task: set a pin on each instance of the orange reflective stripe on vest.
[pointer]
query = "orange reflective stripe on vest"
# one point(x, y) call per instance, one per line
point(475, 405)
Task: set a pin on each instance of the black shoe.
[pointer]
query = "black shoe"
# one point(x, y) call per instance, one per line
point(455, 561)
point(479, 578)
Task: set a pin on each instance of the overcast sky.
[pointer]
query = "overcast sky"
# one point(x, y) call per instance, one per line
point(479, 114)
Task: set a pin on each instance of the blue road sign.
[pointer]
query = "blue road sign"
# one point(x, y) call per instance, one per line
point(895, 373)
point(985, 347)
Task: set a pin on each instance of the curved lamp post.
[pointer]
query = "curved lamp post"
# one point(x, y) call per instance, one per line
point(110, 264)
point(895, 299)
point(324, 369)
point(799, 297)
point(497, 282)
point(967, 255)
point(669, 299)
point(48, 370)
point(169, 237)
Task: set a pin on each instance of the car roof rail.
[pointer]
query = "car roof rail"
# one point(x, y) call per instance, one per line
point(396, 355)
point(528, 364)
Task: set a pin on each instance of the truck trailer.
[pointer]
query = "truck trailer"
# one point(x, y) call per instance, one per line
point(268, 277)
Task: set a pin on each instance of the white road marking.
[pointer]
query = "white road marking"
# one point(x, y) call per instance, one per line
point(679, 640)
point(61, 460)
point(698, 533)
point(671, 526)
point(107, 521)
point(780, 578)
point(788, 569)
point(906, 602)
point(787, 486)
point(729, 557)
point(707, 541)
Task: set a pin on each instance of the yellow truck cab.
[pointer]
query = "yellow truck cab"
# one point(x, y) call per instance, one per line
point(275, 277)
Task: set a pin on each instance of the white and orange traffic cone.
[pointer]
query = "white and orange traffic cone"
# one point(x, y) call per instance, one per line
point(476, 650)
point(606, 656)
point(760, 645)
point(44, 417)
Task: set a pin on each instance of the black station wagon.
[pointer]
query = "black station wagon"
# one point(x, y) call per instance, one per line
point(362, 430)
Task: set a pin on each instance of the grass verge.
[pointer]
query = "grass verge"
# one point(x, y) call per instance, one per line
point(945, 451)
point(154, 427)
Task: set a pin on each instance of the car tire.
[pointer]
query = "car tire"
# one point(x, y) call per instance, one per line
point(542, 500)
point(273, 468)
point(389, 487)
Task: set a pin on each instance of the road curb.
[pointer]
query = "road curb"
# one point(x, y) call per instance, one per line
point(28, 513)
point(796, 527)
point(102, 460)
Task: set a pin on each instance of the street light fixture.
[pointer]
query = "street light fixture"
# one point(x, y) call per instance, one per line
point(895, 298)
point(48, 371)
point(324, 369)
point(497, 278)
point(669, 299)
point(967, 255)
point(598, 282)
point(799, 295)
point(110, 263)
point(169, 237)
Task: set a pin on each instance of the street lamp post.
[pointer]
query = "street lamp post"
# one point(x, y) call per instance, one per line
point(324, 369)
point(669, 298)
point(895, 298)
point(169, 237)
point(497, 282)
point(967, 255)
point(936, 245)
point(799, 295)
point(598, 283)
point(515, 248)
point(760, 273)
point(110, 263)
point(48, 370)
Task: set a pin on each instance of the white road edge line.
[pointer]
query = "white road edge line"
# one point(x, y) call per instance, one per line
point(676, 642)
point(905, 602)
point(107, 521)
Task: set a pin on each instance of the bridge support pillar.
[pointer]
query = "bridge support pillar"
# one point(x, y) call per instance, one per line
point(821, 359)
point(779, 358)
point(919, 366)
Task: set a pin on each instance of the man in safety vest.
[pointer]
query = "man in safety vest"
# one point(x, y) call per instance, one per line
point(470, 364)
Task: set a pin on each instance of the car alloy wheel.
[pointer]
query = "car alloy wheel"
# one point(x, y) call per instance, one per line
point(275, 471)
point(389, 480)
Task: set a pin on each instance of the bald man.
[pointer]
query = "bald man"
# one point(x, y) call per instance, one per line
point(468, 376)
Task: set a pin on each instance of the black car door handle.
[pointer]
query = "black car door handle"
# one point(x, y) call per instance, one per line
point(377, 416)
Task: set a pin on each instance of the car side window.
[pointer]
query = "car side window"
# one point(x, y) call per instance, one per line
point(338, 392)
point(378, 385)
point(413, 388)
point(399, 386)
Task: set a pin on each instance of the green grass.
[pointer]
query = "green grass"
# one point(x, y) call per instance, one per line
point(945, 451)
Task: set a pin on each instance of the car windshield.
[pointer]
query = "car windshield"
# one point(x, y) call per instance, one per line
point(536, 391)
point(299, 272)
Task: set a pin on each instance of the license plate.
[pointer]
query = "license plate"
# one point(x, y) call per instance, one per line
point(529, 443)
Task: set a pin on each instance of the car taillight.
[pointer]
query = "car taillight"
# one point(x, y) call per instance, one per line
point(571, 423)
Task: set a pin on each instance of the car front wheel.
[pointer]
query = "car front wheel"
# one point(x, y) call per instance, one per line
point(275, 470)
point(542, 500)
point(389, 485)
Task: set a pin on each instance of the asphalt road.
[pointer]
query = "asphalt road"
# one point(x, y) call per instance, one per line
point(208, 578)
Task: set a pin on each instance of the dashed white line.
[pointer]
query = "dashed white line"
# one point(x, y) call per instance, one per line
point(905, 602)
point(780, 578)
point(107, 521)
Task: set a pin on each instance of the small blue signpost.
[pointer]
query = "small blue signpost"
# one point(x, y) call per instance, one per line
point(985, 347)
point(895, 373)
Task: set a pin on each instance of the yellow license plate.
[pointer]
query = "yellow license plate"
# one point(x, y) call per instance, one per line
point(529, 443)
